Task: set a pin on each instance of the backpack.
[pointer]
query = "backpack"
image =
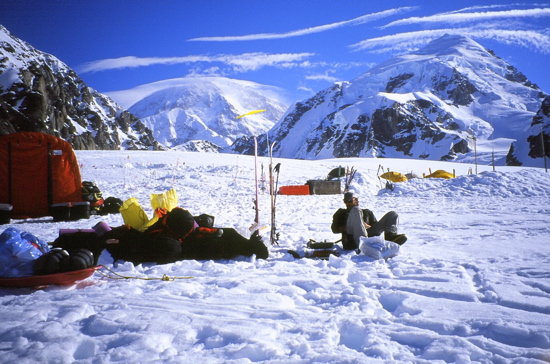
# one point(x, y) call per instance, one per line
point(112, 205)
point(92, 194)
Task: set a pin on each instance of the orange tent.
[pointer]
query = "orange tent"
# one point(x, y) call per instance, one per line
point(36, 171)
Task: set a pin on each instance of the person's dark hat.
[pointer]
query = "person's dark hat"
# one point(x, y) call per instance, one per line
point(180, 221)
point(349, 196)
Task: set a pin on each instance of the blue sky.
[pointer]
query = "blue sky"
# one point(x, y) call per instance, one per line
point(301, 46)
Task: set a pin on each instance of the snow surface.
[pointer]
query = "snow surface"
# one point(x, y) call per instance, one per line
point(470, 285)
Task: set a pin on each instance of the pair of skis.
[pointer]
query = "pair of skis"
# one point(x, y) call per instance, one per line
point(273, 185)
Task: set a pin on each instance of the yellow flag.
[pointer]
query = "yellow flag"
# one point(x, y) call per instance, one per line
point(250, 113)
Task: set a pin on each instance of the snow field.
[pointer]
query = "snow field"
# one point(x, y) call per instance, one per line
point(470, 284)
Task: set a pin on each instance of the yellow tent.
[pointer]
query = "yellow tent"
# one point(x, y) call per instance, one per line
point(440, 174)
point(394, 177)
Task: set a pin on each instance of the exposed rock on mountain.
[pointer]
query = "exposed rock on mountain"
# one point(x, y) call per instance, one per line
point(40, 93)
point(537, 143)
point(435, 103)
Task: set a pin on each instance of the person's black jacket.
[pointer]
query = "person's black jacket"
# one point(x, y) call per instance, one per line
point(339, 220)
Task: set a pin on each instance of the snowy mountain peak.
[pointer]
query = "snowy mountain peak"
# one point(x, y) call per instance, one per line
point(441, 102)
point(205, 108)
point(450, 44)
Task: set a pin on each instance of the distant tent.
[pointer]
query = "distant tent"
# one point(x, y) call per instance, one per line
point(394, 177)
point(336, 173)
point(440, 174)
point(36, 171)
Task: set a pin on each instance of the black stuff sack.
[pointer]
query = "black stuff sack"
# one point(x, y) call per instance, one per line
point(205, 220)
point(112, 205)
point(92, 194)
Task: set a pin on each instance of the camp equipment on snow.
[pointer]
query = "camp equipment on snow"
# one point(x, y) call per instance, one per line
point(274, 234)
point(100, 228)
point(336, 173)
point(112, 205)
point(378, 248)
point(67, 211)
point(312, 244)
point(41, 281)
point(317, 250)
point(36, 171)
point(18, 250)
point(441, 174)
point(254, 229)
point(394, 177)
point(294, 190)
point(350, 174)
point(92, 194)
point(54, 261)
point(5, 213)
point(61, 211)
point(135, 216)
point(205, 220)
point(167, 200)
point(80, 210)
point(322, 187)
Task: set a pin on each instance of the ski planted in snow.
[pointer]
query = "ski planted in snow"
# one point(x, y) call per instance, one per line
point(350, 173)
point(254, 229)
point(274, 236)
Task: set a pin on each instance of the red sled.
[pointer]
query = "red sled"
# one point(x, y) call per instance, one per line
point(294, 190)
point(61, 279)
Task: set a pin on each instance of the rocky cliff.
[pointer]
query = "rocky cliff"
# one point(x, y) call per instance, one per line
point(40, 93)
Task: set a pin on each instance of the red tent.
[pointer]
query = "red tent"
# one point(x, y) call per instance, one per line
point(36, 171)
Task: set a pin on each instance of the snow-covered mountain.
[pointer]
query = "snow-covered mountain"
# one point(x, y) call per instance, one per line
point(205, 108)
point(40, 93)
point(437, 103)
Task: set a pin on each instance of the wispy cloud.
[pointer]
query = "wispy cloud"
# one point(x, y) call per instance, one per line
point(240, 63)
point(296, 33)
point(455, 17)
point(322, 77)
point(485, 7)
point(412, 40)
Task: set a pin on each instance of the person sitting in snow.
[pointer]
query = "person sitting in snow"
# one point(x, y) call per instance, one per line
point(354, 222)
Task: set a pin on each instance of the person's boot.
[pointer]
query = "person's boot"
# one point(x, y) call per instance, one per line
point(399, 239)
point(261, 250)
